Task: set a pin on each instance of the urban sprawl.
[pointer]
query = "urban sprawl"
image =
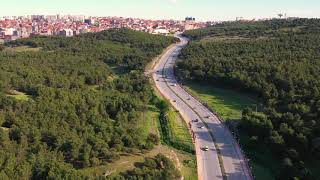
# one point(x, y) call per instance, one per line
point(12, 28)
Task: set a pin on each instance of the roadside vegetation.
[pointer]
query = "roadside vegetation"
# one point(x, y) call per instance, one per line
point(20, 49)
point(278, 62)
point(18, 95)
point(173, 129)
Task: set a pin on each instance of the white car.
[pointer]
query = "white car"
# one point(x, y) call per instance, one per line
point(206, 148)
point(201, 127)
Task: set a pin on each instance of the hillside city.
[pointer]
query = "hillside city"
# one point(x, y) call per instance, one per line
point(15, 27)
point(160, 90)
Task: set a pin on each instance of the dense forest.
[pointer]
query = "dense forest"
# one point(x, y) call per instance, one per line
point(279, 61)
point(83, 98)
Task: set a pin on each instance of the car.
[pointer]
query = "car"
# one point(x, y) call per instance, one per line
point(206, 148)
point(188, 99)
point(157, 80)
point(207, 116)
point(196, 120)
point(174, 101)
point(201, 127)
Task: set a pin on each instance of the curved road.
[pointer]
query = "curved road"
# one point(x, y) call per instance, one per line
point(223, 158)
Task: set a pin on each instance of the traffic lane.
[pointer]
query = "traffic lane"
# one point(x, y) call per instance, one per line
point(209, 160)
point(231, 157)
point(203, 138)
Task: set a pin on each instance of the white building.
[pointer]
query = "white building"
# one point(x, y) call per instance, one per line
point(161, 31)
point(66, 32)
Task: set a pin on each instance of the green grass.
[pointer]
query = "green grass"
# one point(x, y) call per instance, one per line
point(21, 96)
point(149, 122)
point(179, 128)
point(22, 49)
point(229, 104)
point(189, 169)
point(222, 38)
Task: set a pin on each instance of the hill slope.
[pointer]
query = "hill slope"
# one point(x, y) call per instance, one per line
point(278, 60)
point(83, 98)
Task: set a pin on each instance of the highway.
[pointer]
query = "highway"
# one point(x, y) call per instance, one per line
point(218, 154)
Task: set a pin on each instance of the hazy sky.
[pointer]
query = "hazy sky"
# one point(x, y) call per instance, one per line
point(165, 9)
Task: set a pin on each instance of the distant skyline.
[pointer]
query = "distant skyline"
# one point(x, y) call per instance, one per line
point(166, 9)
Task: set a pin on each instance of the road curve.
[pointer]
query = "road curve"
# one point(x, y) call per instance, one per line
point(224, 159)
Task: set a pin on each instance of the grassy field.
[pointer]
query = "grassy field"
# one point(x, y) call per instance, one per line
point(229, 104)
point(222, 38)
point(179, 128)
point(19, 95)
point(150, 120)
point(22, 49)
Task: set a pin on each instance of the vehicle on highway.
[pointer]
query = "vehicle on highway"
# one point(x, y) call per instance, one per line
point(207, 116)
point(157, 80)
point(196, 120)
point(206, 148)
point(188, 99)
point(174, 101)
point(201, 127)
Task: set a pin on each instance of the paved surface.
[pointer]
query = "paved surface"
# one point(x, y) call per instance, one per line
point(224, 159)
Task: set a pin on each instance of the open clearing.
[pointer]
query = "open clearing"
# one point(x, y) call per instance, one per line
point(22, 49)
point(21, 96)
point(185, 163)
point(229, 104)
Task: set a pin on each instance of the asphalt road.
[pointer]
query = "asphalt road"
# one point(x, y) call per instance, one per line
point(224, 159)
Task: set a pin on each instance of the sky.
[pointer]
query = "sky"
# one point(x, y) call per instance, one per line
point(202, 10)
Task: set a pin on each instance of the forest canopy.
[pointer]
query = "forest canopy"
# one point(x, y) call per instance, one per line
point(278, 60)
point(74, 103)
